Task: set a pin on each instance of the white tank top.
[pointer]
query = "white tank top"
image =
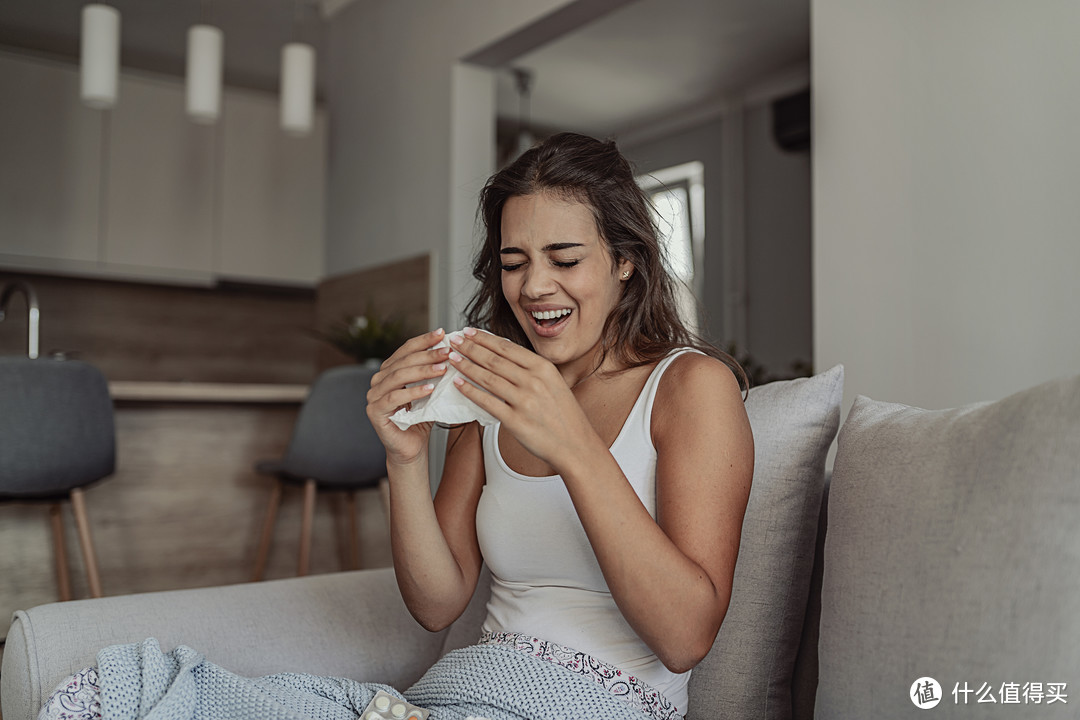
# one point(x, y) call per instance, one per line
point(546, 582)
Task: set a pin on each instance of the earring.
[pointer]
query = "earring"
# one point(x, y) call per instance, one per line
point(625, 274)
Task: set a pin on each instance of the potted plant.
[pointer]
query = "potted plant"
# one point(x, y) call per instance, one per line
point(368, 338)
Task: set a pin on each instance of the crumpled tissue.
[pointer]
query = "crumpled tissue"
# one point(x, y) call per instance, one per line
point(445, 404)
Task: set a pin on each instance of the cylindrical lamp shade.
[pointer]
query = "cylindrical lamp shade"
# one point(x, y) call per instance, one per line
point(204, 52)
point(100, 55)
point(297, 88)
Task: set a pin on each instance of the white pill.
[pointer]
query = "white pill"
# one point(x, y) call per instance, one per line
point(382, 702)
point(398, 711)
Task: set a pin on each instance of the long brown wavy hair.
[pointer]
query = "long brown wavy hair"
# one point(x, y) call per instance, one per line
point(644, 325)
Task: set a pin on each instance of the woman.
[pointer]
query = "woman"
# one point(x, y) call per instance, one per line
point(608, 500)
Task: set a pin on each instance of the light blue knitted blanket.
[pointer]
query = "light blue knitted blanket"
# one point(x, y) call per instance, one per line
point(141, 681)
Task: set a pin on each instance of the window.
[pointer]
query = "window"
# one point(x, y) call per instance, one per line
point(677, 195)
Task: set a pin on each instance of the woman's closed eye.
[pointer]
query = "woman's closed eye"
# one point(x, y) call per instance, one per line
point(510, 267)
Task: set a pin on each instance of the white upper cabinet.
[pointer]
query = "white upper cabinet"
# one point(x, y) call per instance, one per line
point(160, 179)
point(272, 194)
point(50, 167)
point(142, 192)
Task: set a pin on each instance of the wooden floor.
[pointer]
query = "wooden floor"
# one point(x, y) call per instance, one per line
point(183, 510)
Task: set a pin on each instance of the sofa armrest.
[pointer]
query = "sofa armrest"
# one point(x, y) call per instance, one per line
point(344, 624)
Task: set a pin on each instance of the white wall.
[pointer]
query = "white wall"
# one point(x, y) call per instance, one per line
point(779, 317)
point(946, 177)
point(472, 160)
point(391, 65)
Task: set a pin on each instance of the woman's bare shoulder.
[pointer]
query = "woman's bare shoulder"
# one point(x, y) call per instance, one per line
point(693, 371)
point(697, 388)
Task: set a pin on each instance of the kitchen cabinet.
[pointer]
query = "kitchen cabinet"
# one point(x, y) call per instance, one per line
point(161, 184)
point(50, 168)
point(272, 194)
point(141, 192)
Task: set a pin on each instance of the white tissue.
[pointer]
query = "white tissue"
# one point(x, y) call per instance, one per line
point(445, 404)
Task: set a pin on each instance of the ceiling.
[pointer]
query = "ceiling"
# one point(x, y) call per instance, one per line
point(652, 59)
point(633, 66)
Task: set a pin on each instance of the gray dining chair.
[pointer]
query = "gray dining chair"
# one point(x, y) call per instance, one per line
point(57, 436)
point(333, 448)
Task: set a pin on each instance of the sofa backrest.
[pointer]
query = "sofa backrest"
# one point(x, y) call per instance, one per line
point(804, 678)
point(953, 555)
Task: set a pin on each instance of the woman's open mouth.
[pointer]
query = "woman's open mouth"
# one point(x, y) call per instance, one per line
point(549, 322)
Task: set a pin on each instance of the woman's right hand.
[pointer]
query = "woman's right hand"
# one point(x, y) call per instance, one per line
point(413, 362)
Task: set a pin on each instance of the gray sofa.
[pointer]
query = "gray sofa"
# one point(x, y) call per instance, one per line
point(952, 551)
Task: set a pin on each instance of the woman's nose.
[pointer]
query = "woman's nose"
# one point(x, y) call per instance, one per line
point(538, 282)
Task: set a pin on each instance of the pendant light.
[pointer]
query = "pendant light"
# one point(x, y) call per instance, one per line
point(100, 50)
point(523, 80)
point(297, 84)
point(204, 68)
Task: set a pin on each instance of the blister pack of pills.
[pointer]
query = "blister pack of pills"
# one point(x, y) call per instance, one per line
point(387, 707)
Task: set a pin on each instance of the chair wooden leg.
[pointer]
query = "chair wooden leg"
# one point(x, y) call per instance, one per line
point(305, 527)
point(63, 578)
point(79, 506)
point(268, 532)
point(354, 532)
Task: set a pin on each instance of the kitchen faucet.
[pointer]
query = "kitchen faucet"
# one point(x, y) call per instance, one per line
point(32, 313)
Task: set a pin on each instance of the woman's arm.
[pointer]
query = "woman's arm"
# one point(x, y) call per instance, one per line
point(671, 578)
point(436, 553)
point(435, 550)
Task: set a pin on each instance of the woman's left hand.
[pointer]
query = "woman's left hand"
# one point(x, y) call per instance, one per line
point(527, 395)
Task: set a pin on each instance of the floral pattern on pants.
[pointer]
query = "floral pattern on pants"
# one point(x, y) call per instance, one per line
point(77, 698)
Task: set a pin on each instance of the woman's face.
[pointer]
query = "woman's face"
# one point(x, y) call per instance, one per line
point(558, 276)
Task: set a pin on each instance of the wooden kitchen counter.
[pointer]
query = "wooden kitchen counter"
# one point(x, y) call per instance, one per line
point(185, 506)
point(206, 392)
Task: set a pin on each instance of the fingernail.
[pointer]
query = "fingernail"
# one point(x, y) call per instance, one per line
point(429, 387)
point(444, 351)
point(470, 331)
point(439, 367)
point(459, 381)
point(455, 357)
point(456, 339)
point(439, 331)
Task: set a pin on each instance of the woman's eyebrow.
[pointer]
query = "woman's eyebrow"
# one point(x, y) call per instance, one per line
point(547, 248)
